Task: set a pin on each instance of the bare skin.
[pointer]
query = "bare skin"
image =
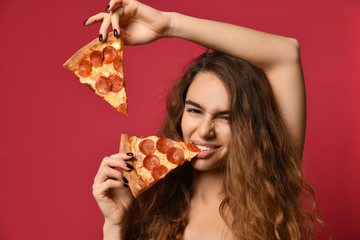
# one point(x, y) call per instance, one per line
point(112, 194)
point(205, 122)
point(205, 221)
point(279, 58)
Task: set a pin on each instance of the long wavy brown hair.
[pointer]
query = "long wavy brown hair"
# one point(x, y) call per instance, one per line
point(265, 193)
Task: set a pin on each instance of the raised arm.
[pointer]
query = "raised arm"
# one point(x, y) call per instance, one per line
point(278, 56)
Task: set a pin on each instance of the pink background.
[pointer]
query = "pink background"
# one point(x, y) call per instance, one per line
point(54, 131)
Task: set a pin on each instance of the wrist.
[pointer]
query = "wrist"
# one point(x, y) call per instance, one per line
point(172, 24)
point(112, 231)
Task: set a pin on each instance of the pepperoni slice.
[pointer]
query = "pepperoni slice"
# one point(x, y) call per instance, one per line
point(175, 155)
point(109, 54)
point(96, 58)
point(147, 146)
point(159, 172)
point(118, 64)
point(151, 161)
point(123, 108)
point(192, 147)
point(103, 85)
point(117, 83)
point(163, 144)
point(85, 68)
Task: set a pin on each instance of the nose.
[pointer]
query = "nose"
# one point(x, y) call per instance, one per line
point(206, 128)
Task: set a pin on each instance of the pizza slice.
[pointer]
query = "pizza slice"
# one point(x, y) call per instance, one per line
point(153, 159)
point(99, 65)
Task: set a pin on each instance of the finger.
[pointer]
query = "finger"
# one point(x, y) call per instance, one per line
point(111, 183)
point(110, 173)
point(123, 156)
point(104, 27)
point(115, 20)
point(114, 161)
point(112, 4)
point(101, 189)
point(96, 18)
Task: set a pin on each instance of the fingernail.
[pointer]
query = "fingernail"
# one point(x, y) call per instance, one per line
point(125, 180)
point(116, 33)
point(85, 22)
point(129, 166)
point(100, 37)
point(126, 185)
point(130, 154)
point(107, 8)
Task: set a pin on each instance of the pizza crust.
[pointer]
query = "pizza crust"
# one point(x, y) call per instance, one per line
point(136, 184)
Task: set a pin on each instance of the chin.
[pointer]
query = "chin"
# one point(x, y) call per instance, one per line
point(204, 165)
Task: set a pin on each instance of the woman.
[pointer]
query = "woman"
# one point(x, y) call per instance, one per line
point(249, 116)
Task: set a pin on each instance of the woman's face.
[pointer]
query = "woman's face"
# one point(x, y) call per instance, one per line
point(205, 121)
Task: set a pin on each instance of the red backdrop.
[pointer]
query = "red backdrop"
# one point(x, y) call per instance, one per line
point(54, 131)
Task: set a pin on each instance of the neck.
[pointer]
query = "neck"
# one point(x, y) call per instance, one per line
point(208, 186)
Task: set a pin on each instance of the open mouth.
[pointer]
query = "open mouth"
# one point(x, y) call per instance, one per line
point(206, 148)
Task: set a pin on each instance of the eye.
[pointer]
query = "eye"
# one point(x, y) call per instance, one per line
point(193, 110)
point(224, 117)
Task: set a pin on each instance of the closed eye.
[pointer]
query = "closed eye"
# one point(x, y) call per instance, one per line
point(193, 110)
point(224, 117)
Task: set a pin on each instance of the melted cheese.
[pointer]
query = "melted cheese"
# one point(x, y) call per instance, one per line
point(115, 99)
point(146, 174)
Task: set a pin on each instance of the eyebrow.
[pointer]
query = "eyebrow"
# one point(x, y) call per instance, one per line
point(197, 105)
point(194, 104)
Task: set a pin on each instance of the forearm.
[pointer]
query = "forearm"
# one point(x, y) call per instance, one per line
point(262, 49)
point(112, 232)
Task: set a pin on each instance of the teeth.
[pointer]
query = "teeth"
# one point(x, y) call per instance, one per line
point(205, 148)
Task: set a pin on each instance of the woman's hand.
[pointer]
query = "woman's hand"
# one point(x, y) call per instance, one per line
point(111, 191)
point(141, 23)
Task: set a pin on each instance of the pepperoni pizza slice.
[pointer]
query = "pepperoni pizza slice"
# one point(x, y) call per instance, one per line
point(153, 159)
point(99, 65)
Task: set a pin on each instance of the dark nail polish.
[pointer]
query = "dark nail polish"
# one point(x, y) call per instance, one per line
point(100, 37)
point(125, 185)
point(85, 22)
point(125, 180)
point(107, 8)
point(116, 33)
point(129, 166)
point(130, 154)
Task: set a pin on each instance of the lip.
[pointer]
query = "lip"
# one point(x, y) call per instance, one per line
point(209, 145)
point(206, 153)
